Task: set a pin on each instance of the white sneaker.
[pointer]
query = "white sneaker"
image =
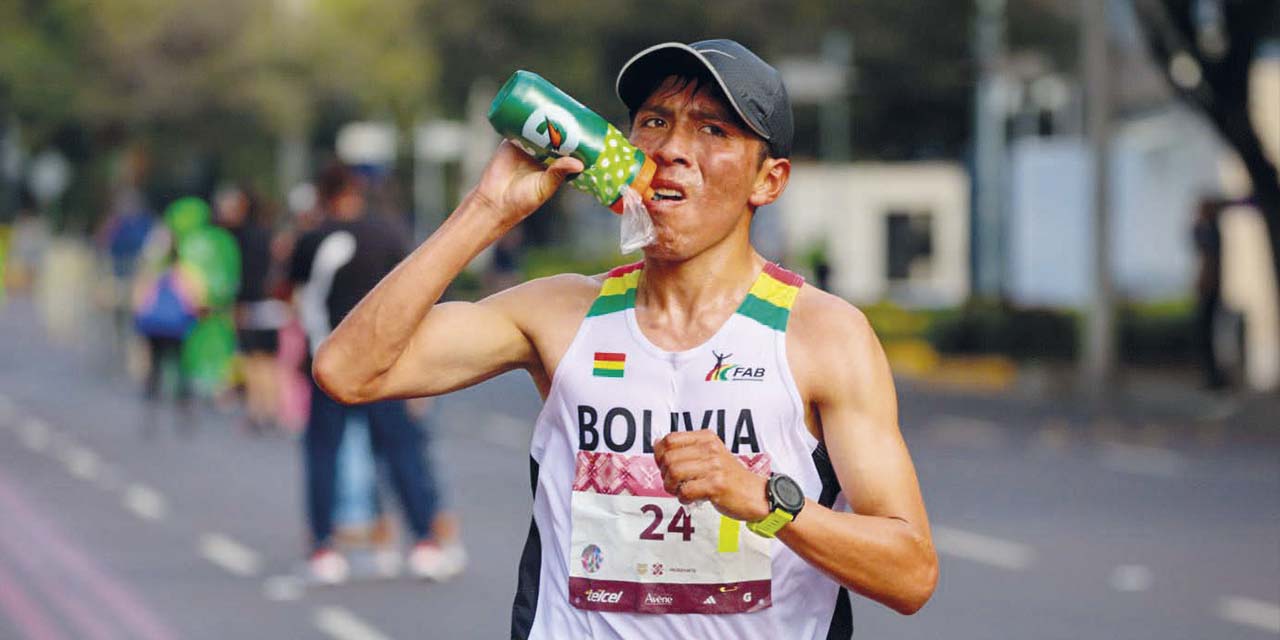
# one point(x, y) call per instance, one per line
point(328, 567)
point(431, 561)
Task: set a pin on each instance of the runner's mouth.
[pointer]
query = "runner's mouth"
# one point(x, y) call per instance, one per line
point(663, 194)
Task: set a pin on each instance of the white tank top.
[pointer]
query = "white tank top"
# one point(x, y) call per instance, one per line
point(610, 554)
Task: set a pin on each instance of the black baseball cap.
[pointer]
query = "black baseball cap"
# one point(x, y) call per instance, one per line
point(753, 87)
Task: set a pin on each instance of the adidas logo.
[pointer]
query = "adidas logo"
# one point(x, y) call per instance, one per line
point(709, 600)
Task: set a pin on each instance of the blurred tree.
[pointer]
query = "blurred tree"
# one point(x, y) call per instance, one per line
point(914, 69)
point(211, 86)
point(1207, 48)
point(207, 85)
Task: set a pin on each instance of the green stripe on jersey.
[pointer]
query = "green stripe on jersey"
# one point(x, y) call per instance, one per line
point(607, 373)
point(610, 304)
point(766, 313)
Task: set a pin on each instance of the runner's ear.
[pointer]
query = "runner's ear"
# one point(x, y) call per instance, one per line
point(771, 180)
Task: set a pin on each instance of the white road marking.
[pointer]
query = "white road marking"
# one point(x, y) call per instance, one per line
point(81, 463)
point(229, 554)
point(1004, 554)
point(1130, 577)
point(59, 443)
point(973, 433)
point(283, 588)
point(35, 434)
point(1250, 613)
point(145, 502)
point(338, 623)
point(1140, 460)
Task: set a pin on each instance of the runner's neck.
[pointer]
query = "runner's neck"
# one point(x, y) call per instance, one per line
point(702, 283)
point(679, 304)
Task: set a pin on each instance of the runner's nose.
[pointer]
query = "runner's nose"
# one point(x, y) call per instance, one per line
point(673, 149)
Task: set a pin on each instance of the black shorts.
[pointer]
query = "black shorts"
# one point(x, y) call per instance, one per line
point(258, 340)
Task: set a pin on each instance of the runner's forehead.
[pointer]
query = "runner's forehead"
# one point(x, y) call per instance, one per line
point(674, 90)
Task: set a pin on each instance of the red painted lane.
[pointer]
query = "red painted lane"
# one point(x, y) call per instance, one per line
point(29, 557)
point(29, 618)
point(132, 612)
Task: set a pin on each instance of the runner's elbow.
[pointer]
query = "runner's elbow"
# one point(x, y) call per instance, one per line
point(333, 375)
point(921, 580)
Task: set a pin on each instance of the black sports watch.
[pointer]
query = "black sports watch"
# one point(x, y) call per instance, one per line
point(786, 499)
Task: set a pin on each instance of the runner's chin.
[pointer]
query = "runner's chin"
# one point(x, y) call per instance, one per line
point(670, 242)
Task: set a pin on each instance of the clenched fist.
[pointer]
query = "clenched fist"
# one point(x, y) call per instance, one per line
point(696, 465)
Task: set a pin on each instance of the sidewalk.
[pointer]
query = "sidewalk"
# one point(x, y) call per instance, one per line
point(1145, 406)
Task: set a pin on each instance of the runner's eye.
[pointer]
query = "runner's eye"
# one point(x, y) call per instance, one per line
point(714, 130)
point(652, 122)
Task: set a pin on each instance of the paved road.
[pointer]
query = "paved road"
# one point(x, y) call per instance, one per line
point(1051, 523)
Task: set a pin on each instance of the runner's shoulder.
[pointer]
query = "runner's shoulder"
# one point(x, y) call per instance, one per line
point(822, 317)
point(829, 336)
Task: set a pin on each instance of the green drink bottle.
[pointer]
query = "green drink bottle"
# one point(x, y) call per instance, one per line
point(546, 123)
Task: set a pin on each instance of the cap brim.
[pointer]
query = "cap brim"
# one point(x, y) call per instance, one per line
point(643, 71)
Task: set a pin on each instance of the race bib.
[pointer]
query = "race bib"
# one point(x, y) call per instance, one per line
point(636, 549)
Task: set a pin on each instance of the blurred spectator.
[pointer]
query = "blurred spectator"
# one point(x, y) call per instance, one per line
point(336, 265)
point(1208, 241)
point(822, 270)
point(508, 253)
point(295, 384)
point(258, 316)
point(119, 241)
point(125, 230)
point(167, 301)
point(28, 242)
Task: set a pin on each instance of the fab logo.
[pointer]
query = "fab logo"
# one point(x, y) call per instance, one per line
point(729, 372)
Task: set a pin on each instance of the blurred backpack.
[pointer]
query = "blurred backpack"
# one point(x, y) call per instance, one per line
point(165, 307)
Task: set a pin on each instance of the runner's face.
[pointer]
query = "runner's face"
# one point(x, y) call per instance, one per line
point(708, 166)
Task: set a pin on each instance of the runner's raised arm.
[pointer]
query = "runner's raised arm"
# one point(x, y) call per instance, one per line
point(398, 331)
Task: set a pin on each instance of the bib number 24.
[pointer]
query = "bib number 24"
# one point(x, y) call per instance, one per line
point(680, 524)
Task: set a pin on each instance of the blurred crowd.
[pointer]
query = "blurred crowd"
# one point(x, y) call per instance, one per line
point(214, 305)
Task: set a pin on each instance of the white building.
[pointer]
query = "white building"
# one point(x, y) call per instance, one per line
point(1161, 165)
point(896, 231)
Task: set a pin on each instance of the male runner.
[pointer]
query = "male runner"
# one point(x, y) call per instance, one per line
point(718, 454)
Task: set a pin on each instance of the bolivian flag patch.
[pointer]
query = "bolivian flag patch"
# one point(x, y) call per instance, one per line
point(609, 365)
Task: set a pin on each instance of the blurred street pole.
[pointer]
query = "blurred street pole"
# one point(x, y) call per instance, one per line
point(835, 113)
point(10, 166)
point(989, 148)
point(435, 144)
point(1098, 368)
point(292, 160)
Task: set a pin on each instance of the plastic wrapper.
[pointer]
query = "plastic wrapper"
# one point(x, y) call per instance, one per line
point(637, 226)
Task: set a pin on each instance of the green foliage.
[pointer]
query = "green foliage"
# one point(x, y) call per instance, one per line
point(981, 327)
point(210, 86)
point(893, 323)
point(1161, 333)
point(541, 262)
point(467, 286)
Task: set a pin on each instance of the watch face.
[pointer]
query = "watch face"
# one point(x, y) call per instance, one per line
point(787, 494)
